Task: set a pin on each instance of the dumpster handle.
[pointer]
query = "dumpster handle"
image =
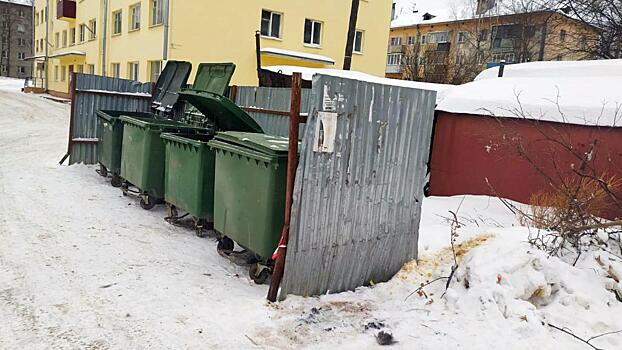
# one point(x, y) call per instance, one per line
point(292, 165)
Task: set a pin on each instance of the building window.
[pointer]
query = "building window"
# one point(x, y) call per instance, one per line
point(394, 59)
point(3, 68)
point(462, 37)
point(21, 42)
point(437, 37)
point(135, 17)
point(80, 68)
point(156, 12)
point(63, 73)
point(64, 38)
point(411, 40)
point(313, 32)
point(396, 41)
point(55, 73)
point(270, 24)
point(57, 40)
point(117, 22)
point(21, 28)
point(91, 68)
point(155, 69)
point(93, 31)
point(507, 57)
point(5, 54)
point(21, 13)
point(21, 55)
point(358, 41)
point(37, 46)
point(82, 32)
point(115, 70)
point(132, 71)
point(562, 35)
point(72, 36)
point(583, 43)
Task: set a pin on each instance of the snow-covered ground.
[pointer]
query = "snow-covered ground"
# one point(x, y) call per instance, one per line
point(11, 84)
point(82, 267)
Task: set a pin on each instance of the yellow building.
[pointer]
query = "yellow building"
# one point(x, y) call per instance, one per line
point(133, 39)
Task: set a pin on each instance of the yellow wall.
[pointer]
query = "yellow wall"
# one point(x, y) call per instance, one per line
point(219, 31)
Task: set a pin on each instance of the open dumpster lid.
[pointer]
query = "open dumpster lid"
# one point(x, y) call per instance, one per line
point(172, 79)
point(267, 144)
point(214, 77)
point(226, 115)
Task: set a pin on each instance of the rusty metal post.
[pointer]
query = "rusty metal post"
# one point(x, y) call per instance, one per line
point(292, 165)
point(233, 93)
point(72, 91)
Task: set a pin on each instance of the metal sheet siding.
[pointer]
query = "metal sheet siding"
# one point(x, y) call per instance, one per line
point(277, 99)
point(87, 103)
point(356, 211)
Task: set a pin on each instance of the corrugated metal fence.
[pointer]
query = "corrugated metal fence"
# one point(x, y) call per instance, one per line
point(357, 198)
point(93, 93)
point(277, 99)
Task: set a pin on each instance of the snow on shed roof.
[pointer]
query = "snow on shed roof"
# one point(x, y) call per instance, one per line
point(308, 73)
point(582, 93)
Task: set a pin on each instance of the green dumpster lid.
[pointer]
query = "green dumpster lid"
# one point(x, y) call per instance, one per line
point(225, 114)
point(214, 77)
point(267, 144)
point(160, 123)
point(172, 79)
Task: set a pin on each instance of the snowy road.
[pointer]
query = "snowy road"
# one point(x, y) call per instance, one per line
point(82, 267)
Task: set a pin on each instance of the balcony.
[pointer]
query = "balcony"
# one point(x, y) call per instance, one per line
point(397, 48)
point(66, 10)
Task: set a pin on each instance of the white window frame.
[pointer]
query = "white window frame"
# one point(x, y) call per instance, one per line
point(312, 36)
point(462, 36)
point(93, 29)
point(82, 33)
point(135, 17)
point(133, 70)
point(72, 36)
point(156, 15)
point(115, 70)
point(270, 33)
point(154, 74)
point(395, 41)
point(117, 22)
point(394, 59)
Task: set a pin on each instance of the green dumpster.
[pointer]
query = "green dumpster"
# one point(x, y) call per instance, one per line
point(143, 155)
point(110, 131)
point(249, 195)
point(189, 178)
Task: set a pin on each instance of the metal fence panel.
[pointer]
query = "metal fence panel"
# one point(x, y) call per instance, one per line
point(93, 93)
point(356, 211)
point(277, 99)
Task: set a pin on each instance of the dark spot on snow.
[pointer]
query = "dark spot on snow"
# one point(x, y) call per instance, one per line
point(374, 325)
point(385, 338)
point(315, 310)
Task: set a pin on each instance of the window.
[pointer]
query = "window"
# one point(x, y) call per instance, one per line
point(57, 40)
point(437, 37)
point(396, 41)
point(21, 28)
point(156, 12)
point(72, 36)
point(55, 73)
point(21, 55)
point(21, 42)
point(411, 40)
point(313, 32)
point(42, 16)
point(462, 37)
point(64, 38)
point(135, 17)
point(132, 71)
point(82, 32)
point(507, 57)
point(5, 53)
point(3, 68)
point(155, 69)
point(93, 31)
point(270, 24)
point(37, 46)
point(63, 73)
point(424, 39)
point(583, 43)
point(91, 68)
point(358, 41)
point(115, 70)
point(562, 36)
point(5, 25)
point(21, 69)
point(394, 59)
point(482, 35)
point(20, 13)
point(80, 68)
point(117, 22)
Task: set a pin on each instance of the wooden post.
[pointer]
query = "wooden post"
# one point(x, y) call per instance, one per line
point(292, 165)
point(72, 91)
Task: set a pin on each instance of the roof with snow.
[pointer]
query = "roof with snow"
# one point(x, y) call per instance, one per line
point(580, 92)
point(308, 73)
point(297, 55)
point(20, 2)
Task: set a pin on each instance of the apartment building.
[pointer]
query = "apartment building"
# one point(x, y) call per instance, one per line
point(15, 38)
point(134, 38)
point(436, 49)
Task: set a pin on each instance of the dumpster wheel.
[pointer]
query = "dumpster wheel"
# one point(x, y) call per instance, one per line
point(259, 273)
point(147, 202)
point(102, 171)
point(116, 181)
point(225, 246)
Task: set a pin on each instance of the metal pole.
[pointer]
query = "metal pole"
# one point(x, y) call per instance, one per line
point(104, 39)
point(354, 12)
point(166, 29)
point(258, 54)
point(501, 68)
point(47, 44)
point(292, 165)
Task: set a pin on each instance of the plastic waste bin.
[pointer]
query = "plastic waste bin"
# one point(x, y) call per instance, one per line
point(110, 131)
point(249, 194)
point(143, 155)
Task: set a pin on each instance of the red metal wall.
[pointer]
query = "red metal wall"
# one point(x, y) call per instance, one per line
point(469, 149)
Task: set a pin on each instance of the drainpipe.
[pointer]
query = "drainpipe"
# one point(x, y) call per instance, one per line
point(47, 43)
point(105, 38)
point(165, 11)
